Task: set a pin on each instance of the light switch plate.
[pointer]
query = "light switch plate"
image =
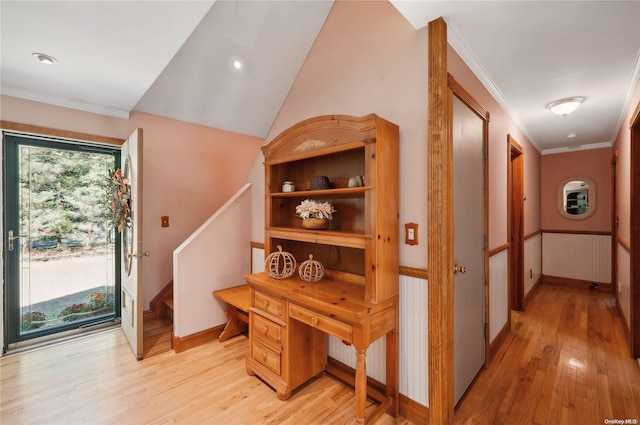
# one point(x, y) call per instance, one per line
point(411, 233)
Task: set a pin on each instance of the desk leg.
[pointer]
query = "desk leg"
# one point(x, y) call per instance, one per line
point(235, 325)
point(361, 385)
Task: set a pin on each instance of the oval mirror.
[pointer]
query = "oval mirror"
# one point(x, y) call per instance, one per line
point(577, 198)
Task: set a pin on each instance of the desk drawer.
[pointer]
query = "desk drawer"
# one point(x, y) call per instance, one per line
point(267, 330)
point(266, 356)
point(322, 322)
point(268, 303)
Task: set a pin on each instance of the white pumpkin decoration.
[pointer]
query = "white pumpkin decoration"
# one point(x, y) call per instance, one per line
point(280, 264)
point(311, 270)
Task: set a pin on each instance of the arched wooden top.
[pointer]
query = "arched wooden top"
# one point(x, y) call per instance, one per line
point(325, 133)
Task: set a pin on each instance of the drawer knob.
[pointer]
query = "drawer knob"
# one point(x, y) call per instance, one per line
point(266, 303)
point(265, 329)
point(314, 320)
point(264, 356)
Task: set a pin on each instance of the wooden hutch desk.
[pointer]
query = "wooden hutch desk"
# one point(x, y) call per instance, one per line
point(357, 301)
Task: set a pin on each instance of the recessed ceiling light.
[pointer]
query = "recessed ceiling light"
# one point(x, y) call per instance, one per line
point(572, 135)
point(44, 58)
point(565, 106)
point(237, 64)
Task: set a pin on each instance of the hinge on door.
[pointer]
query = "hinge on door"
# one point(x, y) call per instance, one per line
point(485, 241)
point(484, 152)
point(486, 331)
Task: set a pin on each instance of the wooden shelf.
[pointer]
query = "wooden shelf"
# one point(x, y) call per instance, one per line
point(326, 237)
point(325, 193)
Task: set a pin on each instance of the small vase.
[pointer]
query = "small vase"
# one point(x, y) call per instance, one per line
point(315, 223)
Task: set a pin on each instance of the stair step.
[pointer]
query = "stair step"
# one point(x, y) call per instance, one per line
point(168, 313)
point(148, 316)
point(169, 303)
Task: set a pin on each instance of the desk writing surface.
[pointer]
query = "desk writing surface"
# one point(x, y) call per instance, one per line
point(339, 299)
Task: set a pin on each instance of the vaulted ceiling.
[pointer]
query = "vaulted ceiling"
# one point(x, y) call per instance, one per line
point(174, 58)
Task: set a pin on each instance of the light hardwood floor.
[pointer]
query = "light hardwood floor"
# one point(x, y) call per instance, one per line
point(565, 362)
point(96, 380)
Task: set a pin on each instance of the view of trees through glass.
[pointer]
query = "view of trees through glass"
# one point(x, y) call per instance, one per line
point(67, 249)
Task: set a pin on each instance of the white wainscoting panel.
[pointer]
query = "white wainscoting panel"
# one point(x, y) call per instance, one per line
point(257, 260)
point(498, 301)
point(414, 350)
point(532, 261)
point(577, 256)
point(624, 283)
point(414, 376)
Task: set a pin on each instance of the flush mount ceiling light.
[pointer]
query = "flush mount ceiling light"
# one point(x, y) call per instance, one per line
point(565, 106)
point(45, 59)
point(572, 135)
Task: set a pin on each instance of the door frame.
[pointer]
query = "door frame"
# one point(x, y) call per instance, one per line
point(614, 224)
point(440, 232)
point(634, 245)
point(515, 225)
point(36, 130)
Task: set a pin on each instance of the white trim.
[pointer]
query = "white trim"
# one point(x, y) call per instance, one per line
point(577, 148)
point(633, 81)
point(458, 45)
point(66, 103)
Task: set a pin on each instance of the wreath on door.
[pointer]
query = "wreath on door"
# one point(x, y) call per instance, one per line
point(119, 192)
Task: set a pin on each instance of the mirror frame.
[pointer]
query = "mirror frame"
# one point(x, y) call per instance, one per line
point(592, 198)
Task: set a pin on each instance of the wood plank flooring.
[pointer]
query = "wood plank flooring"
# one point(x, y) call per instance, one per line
point(566, 361)
point(156, 335)
point(96, 380)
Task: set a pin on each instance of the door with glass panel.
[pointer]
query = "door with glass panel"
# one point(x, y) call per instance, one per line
point(61, 252)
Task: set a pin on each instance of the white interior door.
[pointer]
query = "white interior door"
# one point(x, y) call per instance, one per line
point(468, 246)
point(131, 269)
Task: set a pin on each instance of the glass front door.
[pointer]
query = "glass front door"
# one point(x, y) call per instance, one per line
point(61, 253)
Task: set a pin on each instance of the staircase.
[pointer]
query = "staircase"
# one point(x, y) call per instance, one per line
point(158, 323)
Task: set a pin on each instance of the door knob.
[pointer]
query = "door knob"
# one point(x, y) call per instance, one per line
point(139, 254)
point(461, 269)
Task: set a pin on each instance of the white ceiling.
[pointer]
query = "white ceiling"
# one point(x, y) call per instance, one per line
point(172, 58)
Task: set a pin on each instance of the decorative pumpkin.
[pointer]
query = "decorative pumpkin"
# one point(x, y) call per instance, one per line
point(280, 264)
point(311, 270)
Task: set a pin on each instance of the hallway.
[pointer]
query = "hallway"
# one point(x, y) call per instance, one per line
point(566, 361)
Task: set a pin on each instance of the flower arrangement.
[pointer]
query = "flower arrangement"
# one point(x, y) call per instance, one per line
point(313, 209)
point(119, 193)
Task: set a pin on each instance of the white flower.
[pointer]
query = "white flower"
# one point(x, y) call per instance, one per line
point(310, 208)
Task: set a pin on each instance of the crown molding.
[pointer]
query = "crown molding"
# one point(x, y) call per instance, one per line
point(577, 148)
point(65, 103)
point(633, 82)
point(463, 51)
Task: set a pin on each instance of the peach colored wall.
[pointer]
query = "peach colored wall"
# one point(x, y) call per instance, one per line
point(500, 126)
point(225, 239)
point(594, 164)
point(366, 59)
point(623, 147)
point(189, 171)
